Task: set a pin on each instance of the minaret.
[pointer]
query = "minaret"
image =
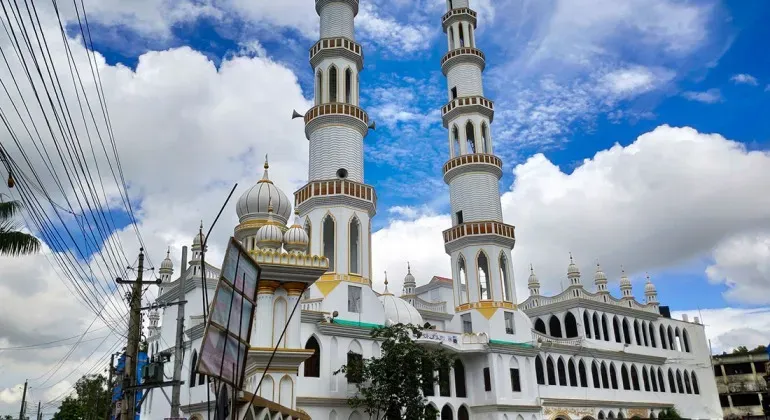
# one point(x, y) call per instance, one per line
point(479, 243)
point(650, 293)
point(197, 249)
point(166, 268)
point(336, 203)
point(533, 283)
point(409, 282)
point(600, 280)
point(625, 286)
point(573, 273)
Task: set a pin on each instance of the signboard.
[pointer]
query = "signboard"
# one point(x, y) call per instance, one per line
point(228, 330)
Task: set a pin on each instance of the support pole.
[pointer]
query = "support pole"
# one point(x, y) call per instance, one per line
point(132, 350)
point(179, 353)
point(23, 402)
point(110, 385)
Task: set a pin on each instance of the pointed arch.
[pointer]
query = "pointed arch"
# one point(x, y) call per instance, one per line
point(280, 317)
point(555, 326)
point(462, 36)
point(645, 379)
point(671, 339)
point(595, 375)
point(562, 372)
point(582, 374)
point(679, 384)
point(456, 140)
point(626, 331)
point(462, 413)
point(686, 340)
point(624, 377)
point(600, 416)
point(550, 370)
point(634, 378)
point(446, 413)
point(605, 328)
point(540, 326)
point(610, 415)
point(597, 328)
point(695, 388)
point(470, 137)
point(459, 373)
point(319, 87)
point(663, 344)
point(462, 273)
point(637, 334)
point(570, 325)
point(653, 379)
point(329, 240)
point(312, 367)
point(644, 333)
point(651, 328)
point(482, 274)
point(348, 86)
point(671, 382)
point(286, 391)
point(193, 368)
point(451, 34)
point(605, 376)
point(661, 382)
point(486, 143)
point(586, 324)
point(687, 385)
point(539, 374)
point(354, 245)
point(616, 328)
point(333, 83)
point(573, 380)
point(267, 390)
point(613, 376)
point(503, 261)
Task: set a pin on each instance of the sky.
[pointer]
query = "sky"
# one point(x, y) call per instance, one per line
point(634, 134)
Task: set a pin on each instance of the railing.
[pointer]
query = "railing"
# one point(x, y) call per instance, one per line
point(430, 306)
point(335, 187)
point(345, 44)
point(475, 338)
point(458, 11)
point(543, 338)
point(337, 109)
point(596, 297)
point(478, 228)
point(311, 304)
point(468, 101)
point(462, 51)
point(473, 158)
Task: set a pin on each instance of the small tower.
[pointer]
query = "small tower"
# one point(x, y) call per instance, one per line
point(650, 294)
point(409, 282)
point(625, 286)
point(573, 273)
point(166, 268)
point(198, 247)
point(154, 329)
point(295, 240)
point(533, 283)
point(269, 236)
point(600, 280)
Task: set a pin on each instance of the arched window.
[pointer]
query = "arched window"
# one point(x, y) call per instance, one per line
point(470, 137)
point(570, 325)
point(456, 140)
point(348, 86)
point(645, 379)
point(626, 331)
point(446, 413)
point(485, 291)
point(582, 374)
point(459, 370)
point(540, 326)
point(486, 143)
point(686, 340)
point(624, 377)
point(653, 380)
point(319, 88)
point(463, 280)
point(333, 83)
point(671, 383)
point(193, 368)
point(462, 414)
point(601, 415)
point(695, 389)
point(661, 382)
point(355, 246)
point(605, 329)
point(539, 375)
point(562, 372)
point(504, 279)
point(444, 389)
point(613, 377)
point(637, 333)
point(572, 373)
point(313, 363)
point(550, 371)
point(595, 375)
point(451, 35)
point(587, 324)
point(462, 36)
point(329, 236)
point(687, 386)
point(597, 330)
point(663, 337)
point(679, 382)
point(605, 377)
point(616, 329)
point(555, 325)
point(634, 378)
point(671, 339)
point(652, 334)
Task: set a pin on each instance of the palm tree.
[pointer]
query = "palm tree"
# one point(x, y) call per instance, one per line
point(13, 242)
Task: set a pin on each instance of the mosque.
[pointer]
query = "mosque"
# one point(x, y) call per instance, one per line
point(582, 354)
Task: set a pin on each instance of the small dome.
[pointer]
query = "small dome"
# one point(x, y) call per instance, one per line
point(167, 264)
point(572, 268)
point(624, 280)
point(409, 278)
point(649, 288)
point(199, 238)
point(254, 202)
point(296, 239)
point(599, 276)
point(533, 281)
point(398, 310)
point(269, 236)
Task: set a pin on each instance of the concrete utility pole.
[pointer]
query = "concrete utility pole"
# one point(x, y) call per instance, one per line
point(110, 385)
point(132, 349)
point(179, 351)
point(23, 402)
point(39, 413)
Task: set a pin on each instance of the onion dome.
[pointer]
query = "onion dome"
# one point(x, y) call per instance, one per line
point(599, 276)
point(167, 264)
point(625, 285)
point(199, 238)
point(269, 236)
point(254, 203)
point(295, 239)
point(649, 287)
point(409, 278)
point(397, 310)
point(572, 268)
point(533, 283)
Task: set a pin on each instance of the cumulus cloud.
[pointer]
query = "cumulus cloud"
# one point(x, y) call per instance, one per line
point(744, 79)
point(743, 264)
point(710, 96)
point(728, 328)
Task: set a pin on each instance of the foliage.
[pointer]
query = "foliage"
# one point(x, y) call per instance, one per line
point(91, 403)
point(12, 241)
point(745, 350)
point(669, 414)
point(391, 387)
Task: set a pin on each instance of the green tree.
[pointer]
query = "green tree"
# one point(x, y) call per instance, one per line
point(12, 241)
point(740, 350)
point(391, 387)
point(91, 403)
point(669, 414)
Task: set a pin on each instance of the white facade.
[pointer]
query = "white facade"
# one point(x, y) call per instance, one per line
point(578, 355)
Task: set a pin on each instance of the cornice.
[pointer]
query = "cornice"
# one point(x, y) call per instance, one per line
point(322, 402)
point(602, 354)
point(580, 302)
point(551, 402)
point(435, 315)
point(327, 328)
point(312, 317)
point(196, 332)
point(492, 408)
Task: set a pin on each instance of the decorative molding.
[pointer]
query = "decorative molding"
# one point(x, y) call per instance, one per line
point(322, 402)
point(602, 354)
point(492, 408)
point(583, 303)
point(568, 402)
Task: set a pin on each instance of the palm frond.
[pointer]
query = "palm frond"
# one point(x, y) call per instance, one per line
point(9, 209)
point(14, 243)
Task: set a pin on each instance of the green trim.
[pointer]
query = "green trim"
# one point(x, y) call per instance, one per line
point(511, 343)
point(356, 324)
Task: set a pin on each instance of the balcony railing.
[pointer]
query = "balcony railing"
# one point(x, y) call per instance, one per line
point(544, 338)
point(311, 304)
point(335, 187)
point(479, 228)
point(340, 46)
point(336, 109)
point(478, 158)
point(459, 52)
point(430, 306)
point(457, 12)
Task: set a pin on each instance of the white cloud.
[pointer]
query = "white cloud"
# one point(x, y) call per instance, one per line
point(728, 328)
point(670, 197)
point(710, 96)
point(744, 79)
point(743, 264)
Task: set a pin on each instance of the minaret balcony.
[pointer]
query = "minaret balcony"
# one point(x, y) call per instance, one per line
point(473, 162)
point(336, 192)
point(463, 55)
point(479, 232)
point(467, 104)
point(335, 48)
point(336, 114)
point(462, 14)
point(320, 4)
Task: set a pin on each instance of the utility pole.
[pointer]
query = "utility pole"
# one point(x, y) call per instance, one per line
point(128, 407)
point(110, 386)
point(179, 351)
point(23, 401)
point(39, 413)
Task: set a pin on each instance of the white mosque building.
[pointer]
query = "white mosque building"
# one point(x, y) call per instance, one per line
point(579, 355)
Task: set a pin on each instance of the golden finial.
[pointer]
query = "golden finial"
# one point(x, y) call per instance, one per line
point(270, 205)
point(266, 176)
point(267, 165)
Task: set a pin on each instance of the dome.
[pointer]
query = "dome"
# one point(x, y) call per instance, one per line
point(599, 276)
point(624, 281)
point(167, 264)
point(533, 281)
point(269, 236)
point(649, 288)
point(398, 310)
point(572, 268)
point(199, 238)
point(254, 202)
point(296, 239)
point(409, 278)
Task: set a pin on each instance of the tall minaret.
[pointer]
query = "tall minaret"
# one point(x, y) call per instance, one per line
point(336, 204)
point(479, 243)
